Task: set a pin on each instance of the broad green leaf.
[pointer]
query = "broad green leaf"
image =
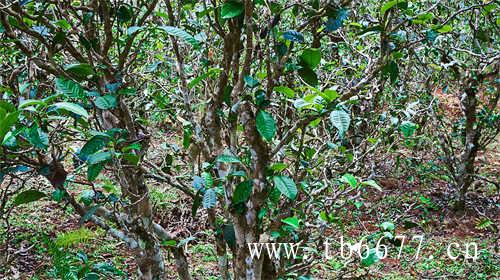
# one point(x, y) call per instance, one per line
point(229, 235)
point(7, 120)
point(69, 87)
point(266, 125)
point(169, 243)
point(391, 70)
point(391, 4)
point(278, 167)
point(106, 102)
point(63, 24)
point(196, 203)
point(209, 198)
point(87, 197)
point(133, 29)
point(250, 81)
point(73, 108)
point(341, 120)
point(349, 179)
point(208, 180)
point(337, 20)
point(329, 95)
point(79, 70)
point(291, 221)
point(312, 57)
point(387, 226)
point(242, 192)
point(445, 29)
point(407, 128)
point(372, 184)
point(95, 144)
point(93, 171)
point(131, 158)
point(28, 196)
point(175, 31)
point(187, 135)
point(371, 259)
point(99, 157)
point(286, 186)
point(37, 137)
point(228, 158)
point(231, 9)
point(124, 13)
point(31, 102)
point(58, 195)
point(308, 75)
point(288, 92)
point(294, 36)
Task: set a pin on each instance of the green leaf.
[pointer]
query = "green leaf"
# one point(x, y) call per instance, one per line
point(58, 195)
point(7, 120)
point(337, 19)
point(445, 29)
point(391, 4)
point(294, 36)
point(250, 81)
point(73, 108)
point(208, 180)
point(175, 31)
point(391, 69)
point(37, 137)
point(196, 203)
point(63, 24)
point(87, 197)
point(291, 221)
point(187, 135)
point(286, 186)
point(106, 102)
point(407, 128)
point(372, 184)
point(209, 198)
point(329, 95)
point(69, 87)
point(73, 237)
point(99, 157)
point(278, 167)
point(349, 179)
point(231, 9)
point(288, 92)
point(228, 158)
point(93, 171)
point(312, 57)
point(124, 13)
point(28, 196)
point(133, 29)
point(242, 192)
point(341, 120)
point(371, 259)
point(229, 235)
point(387, 226)
point(132, 158)
point(266, 125)
point(31, 102)
point(308, 75)
point(79, 70)
point(95, 144)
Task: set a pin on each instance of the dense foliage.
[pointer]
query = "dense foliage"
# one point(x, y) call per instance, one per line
point(279, 115)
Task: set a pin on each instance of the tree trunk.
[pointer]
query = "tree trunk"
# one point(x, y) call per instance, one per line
point(466, 168)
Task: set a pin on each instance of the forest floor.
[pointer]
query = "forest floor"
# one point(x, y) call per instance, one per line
point(416, 206)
